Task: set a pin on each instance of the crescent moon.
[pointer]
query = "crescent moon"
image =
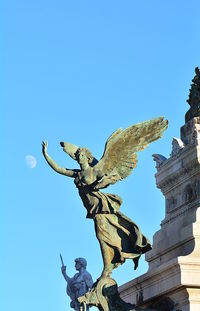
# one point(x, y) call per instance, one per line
point(30, 161)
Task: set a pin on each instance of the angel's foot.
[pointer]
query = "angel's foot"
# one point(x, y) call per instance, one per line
point(105, 274)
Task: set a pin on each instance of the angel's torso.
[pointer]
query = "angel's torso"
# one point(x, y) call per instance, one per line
point(95, 201)
point(86, 177)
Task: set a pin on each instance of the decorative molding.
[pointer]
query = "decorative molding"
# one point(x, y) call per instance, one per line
point(180, 176)
point(177, 146)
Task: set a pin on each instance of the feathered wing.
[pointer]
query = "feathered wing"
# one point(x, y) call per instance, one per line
point(120, 156)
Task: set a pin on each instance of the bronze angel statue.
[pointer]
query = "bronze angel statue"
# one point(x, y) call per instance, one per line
point(119, 237)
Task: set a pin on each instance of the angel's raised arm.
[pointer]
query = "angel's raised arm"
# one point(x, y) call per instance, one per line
point(54, 165)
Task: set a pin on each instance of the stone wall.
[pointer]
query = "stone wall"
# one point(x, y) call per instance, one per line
point(174, 261)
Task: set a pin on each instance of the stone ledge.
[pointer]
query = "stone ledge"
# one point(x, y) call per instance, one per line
point(179, 237)
point(181, 272)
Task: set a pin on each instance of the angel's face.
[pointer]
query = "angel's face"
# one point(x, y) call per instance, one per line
point(82, 157)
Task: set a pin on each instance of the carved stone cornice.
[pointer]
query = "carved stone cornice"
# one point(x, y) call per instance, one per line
point(177, 170)
point(180, 211)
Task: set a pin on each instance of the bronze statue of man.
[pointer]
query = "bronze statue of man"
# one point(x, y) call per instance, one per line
point(119, 237)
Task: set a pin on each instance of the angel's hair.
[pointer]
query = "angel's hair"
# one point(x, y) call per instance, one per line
point(87, 152)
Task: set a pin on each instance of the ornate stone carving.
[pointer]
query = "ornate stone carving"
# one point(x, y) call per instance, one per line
point(178, 177)
point(159, 159)
point(190, 132)
point(177, 146)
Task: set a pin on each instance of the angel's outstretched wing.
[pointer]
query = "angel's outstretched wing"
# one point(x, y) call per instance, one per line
point(120, 156)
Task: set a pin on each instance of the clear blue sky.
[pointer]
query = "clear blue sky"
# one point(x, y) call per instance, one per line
point(76, 71)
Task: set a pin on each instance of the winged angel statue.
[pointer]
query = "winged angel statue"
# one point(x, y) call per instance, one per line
point(119, 237)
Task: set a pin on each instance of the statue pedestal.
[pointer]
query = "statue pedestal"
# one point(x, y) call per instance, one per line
point(179, 280)
point(174, 261)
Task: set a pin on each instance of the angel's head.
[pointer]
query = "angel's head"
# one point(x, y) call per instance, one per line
point(81, 155)
point(84, 155)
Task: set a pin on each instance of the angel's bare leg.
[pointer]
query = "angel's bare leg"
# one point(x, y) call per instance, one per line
point(107, 254)
point(106, 251)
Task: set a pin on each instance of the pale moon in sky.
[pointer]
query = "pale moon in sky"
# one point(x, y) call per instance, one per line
point(30, 161)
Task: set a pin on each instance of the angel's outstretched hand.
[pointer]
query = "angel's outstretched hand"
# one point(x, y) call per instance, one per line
point(44, 146)
point(63, 269)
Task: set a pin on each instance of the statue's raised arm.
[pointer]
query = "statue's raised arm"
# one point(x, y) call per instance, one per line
point(54, 165)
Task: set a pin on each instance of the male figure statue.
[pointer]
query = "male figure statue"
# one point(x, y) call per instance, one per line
point(79, 284)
